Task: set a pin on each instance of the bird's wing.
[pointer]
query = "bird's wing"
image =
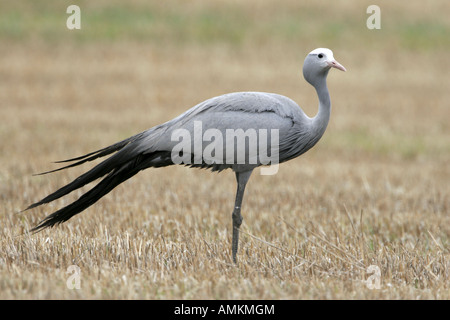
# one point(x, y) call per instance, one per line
point(240, 110)
point(246, 102)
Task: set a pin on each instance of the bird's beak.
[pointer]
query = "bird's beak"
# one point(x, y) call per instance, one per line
point(337, 65)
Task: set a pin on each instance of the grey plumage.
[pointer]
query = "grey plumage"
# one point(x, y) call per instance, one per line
point(242, 110)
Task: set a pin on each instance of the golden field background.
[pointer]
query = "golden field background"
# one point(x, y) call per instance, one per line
point(374, 191)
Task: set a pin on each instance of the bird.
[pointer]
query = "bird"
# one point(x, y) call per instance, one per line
point(245, 111)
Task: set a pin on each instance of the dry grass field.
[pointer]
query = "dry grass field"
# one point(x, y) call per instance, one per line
point(374, 191)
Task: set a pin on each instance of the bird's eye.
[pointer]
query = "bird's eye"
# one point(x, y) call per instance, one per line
point(320, 56)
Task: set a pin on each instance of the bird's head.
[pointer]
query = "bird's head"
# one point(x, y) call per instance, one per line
point(317, 64)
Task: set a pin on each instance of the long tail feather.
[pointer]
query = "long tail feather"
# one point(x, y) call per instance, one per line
point(113, 179)
point(94, 155)
point(127, 152)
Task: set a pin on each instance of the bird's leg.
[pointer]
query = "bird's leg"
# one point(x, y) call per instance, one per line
point(242, 178)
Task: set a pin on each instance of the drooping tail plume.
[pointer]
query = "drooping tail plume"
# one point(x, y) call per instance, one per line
point(131, 157)
point(113, 179)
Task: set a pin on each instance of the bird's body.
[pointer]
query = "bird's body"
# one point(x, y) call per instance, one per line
point(245, 111)
point(234, 111)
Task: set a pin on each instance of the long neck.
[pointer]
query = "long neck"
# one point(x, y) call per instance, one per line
point(320, 121)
